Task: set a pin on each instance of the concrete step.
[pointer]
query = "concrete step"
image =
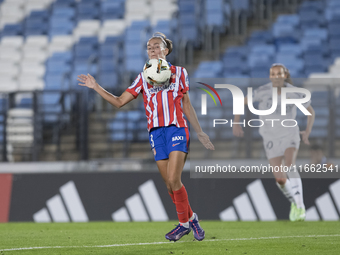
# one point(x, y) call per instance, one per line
point(97, 127)
point(98, 138)
point(68, 138)
point(70, 156)
point(100, 146)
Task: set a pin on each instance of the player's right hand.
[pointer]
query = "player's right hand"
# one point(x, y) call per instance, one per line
point(204, 139)
point(87, 81)
point(237, 130)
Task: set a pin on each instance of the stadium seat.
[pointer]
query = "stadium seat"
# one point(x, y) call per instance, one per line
point(238, 51)
point(289, 19)
point(317, 6)
point(240, 5)
point(291, 49)
point(108, 79)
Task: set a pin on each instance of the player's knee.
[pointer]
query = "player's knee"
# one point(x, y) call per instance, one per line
point(173, 183)
point(281, 181)
point(168, 187)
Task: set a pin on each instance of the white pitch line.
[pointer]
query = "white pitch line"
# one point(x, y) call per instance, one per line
point(155, 243)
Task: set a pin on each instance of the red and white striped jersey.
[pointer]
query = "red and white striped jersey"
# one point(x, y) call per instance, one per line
point(163, 104)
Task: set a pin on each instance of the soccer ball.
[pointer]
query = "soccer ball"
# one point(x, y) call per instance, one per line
point(157, 72)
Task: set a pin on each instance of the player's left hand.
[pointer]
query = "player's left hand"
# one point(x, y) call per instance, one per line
point(204, 139)
point(305, 136)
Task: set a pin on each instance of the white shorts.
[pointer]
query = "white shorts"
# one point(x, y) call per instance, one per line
point(276, 147)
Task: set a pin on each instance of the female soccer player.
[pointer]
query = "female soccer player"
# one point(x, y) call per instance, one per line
point(168, 129)
point(282, 143)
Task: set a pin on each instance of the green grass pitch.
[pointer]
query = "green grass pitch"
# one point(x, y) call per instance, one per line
point(281, 237)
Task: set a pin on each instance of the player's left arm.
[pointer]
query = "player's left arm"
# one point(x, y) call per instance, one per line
point(310, 121)
point(190, 113)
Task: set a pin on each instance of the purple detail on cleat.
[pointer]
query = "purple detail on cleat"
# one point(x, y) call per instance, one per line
point(177, 233)
point(199, 233)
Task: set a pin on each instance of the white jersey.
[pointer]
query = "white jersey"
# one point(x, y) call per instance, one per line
point(274, 129)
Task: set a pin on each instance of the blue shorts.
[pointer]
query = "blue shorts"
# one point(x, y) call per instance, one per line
point(164, 140)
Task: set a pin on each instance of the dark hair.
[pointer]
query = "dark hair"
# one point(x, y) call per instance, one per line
point(167, 42)
point(285, 69)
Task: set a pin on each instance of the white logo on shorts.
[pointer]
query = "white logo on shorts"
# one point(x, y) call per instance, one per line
point(177, 138)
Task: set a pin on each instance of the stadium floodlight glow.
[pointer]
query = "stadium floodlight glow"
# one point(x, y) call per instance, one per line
point(238, 100)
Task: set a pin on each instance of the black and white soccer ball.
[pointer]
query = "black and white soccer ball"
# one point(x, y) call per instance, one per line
point(157, 72)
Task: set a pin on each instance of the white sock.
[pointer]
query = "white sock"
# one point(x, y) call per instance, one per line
point(296, 185)
point(186, 224)
point(192, 217)
point(287, 190)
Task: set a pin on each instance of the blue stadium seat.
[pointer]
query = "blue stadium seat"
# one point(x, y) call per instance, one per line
point(333, 29)
point(95, 2)
point(65, 56)
point(317, 60)
point(121, 136)
point(135, 36)
point(312, 6)
point(108, 80)
point(289, 19)
point(206, 74)
point(88, 40)
point(286, 58)
point(284, 30)
point(85, 51)
point(217, 18)
point(236, 65)
point(291, 49)
point(296, 66)
point(118, 124)
point(334, 44)
point(333, 3)
point(134, 64)
point(263, 73)
point(84, 67)
point(313, 45)
point(186, 7)
point(106, 65)
point(61, 22)
point(12, 29)
point(113, 40)
point(50, 98)
point(266, 49)
point(236, 51)
point(43, 14)
point(214, 5)
point(239, 5)
point(56, 82)
point(188, 29)
point(134, 49)
point(55, 63)
point(266, 36)
point(112, 10)
point(65, 12)
point(321, 33)
point(64, 30)
point(106, 50)
point(311, 19)
point(321, 98)
point(140, 24)
point(255, 60)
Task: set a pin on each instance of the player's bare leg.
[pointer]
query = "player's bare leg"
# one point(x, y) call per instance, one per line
point(284, 185)
point(295, 179)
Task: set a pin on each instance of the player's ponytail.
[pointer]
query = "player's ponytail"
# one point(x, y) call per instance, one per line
point(285, 69)
point(288, 79)
point(167, 42)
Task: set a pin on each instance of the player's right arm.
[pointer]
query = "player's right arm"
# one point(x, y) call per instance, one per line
point(237, 129)
point(90, 82)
